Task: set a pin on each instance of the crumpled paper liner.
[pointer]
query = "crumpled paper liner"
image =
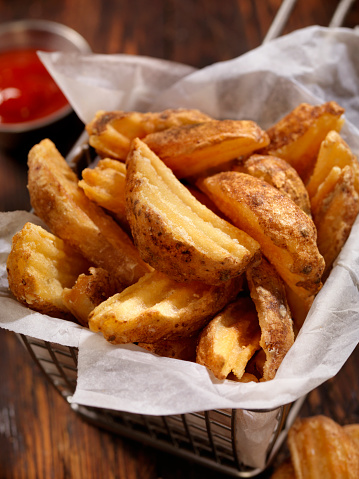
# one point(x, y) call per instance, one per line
point(312, 65)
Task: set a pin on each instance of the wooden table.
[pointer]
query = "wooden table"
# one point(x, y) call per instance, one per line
point(40, 436)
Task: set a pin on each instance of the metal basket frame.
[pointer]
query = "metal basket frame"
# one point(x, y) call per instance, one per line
point(208, 437)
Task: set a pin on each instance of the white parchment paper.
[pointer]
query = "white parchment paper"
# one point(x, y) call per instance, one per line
point(313, 65)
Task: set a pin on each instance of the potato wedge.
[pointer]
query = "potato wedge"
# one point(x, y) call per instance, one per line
point(287, 236)
point(230, 339)
point(182, 348)
point(88, 292)
point(111, 132)
point(192, 149)
point(174, 232)
point(268, 293)
point(297, 137)
point(353, 431)
point(334, 152)
point(39, 267)
point(320, 447)
point(278, 173)
point(62, 205)
point(327, 187)
point(335, 208)
point(158, 308)
point(105, 185)
point(205, 200)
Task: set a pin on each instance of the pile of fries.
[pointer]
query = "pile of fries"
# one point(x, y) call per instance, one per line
point(199, 239)
point(321, 448)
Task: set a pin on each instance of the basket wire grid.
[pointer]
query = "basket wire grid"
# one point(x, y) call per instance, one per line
point(208, 437)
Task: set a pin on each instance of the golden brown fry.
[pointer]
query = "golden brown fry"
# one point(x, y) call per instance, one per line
point(158, 308)
point(105, 185)
point(193, 149)
point(286, 234)
point(174, 232)
point(278, 173)
point(39, 267)
point(267, 291)
point(182, 348)
point(334, 152)
point(297, 137)
point(326, 188)
point(335, 208)
point(320, 447)
point(88, 292)
point(353, 431)
point(111, 133)
point(62, 205)
point(230, 339)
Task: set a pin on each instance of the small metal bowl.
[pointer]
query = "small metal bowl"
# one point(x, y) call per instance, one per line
point(49, 36)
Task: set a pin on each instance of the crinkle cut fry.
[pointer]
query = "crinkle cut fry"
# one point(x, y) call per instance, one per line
point(174, 232)
point(320, 447)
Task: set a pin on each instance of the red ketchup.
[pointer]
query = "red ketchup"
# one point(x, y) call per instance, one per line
point(27, 90)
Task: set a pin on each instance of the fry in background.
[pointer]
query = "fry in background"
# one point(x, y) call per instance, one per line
point(157, 308)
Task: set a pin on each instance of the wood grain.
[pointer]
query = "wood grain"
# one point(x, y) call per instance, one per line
point(40, 436)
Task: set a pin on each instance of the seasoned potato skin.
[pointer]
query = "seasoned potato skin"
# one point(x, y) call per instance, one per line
point(165, 243)
point(286, 234)
point(191, 149)
point(268, 293)
point(278, 173)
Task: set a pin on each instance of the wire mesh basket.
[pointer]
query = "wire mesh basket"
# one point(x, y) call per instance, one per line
point(209, 438)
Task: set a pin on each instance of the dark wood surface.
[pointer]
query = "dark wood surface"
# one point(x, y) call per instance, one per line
point(40, 436)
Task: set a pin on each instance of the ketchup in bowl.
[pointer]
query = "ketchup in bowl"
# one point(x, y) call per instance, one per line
point(27, 90)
